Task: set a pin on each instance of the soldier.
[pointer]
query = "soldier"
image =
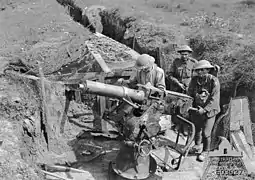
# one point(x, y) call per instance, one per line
point(181, 70)
point(205, 89)
point(179, 77)
point(147, 72)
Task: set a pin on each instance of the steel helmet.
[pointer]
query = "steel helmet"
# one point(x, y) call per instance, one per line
point(144, 60)
point(203, 64)
point(184, 48)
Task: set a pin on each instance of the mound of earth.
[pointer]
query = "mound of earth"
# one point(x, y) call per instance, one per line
point(64, 54)
point(109, 49)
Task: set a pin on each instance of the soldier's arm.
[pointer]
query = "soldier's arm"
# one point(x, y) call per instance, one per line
point(171, 74)
point(160, 84)
point(132, 81)
point(213, 101)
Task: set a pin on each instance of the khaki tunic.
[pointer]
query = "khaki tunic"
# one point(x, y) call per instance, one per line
point(156, 77)
point(181, 71)
point(212, 86)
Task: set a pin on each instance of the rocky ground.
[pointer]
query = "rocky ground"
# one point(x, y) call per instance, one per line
point(46, 31)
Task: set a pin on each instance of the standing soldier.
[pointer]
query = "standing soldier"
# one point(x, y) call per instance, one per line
point(147, 72)
point(205, 89)
point(179, 77)
point(180, 72)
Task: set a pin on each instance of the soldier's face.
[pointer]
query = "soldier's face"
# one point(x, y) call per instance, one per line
point(184, 55)
point(201, 72)
point(146, 69)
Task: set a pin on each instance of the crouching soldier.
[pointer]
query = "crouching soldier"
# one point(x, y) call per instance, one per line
point(205, 89)
point(147, 72)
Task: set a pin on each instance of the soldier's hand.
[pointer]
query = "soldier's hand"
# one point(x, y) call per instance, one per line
point(120, 80)
point(182, 86)
point(148, 84)
point(201, 110)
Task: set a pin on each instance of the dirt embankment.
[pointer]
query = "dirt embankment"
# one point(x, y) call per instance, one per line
point(25, 139)
point(61, 49)
point(17, 115)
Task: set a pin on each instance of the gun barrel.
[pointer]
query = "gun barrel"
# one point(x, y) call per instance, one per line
point(113, 91)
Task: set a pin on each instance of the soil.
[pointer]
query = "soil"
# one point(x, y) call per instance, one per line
point(45, 31)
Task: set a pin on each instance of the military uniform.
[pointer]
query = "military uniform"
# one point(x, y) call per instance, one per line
point(156, 77)
point(206, 94)
point(180, 71)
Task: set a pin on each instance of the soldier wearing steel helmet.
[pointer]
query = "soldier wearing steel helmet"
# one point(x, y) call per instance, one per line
point(179, 76)
point(180, 72)
point(205, 89)
point(147, 72)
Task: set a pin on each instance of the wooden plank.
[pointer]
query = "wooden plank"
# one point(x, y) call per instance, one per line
point(246, 146)
point(64, 116)
point(21, 75)
point(239, 141)
point(236, 144)
point(55, 175)
point(235, 115)
point(102, 102)
point(247, 122)
point(240, 117)
point(98, 58)
point(44, 106)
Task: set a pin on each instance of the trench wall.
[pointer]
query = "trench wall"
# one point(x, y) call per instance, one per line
point(144, 37)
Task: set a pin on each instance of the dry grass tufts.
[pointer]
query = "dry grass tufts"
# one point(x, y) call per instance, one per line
point(248, 3)
point(204, 20)
point(169, 6)
point(236, 60)
point(223, 42)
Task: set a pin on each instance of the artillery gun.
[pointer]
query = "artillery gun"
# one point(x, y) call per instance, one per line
point(137, 117)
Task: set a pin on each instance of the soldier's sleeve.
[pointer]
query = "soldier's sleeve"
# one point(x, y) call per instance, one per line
point(172, 73)
point(132, 82)
point(161, 80)
point(192, 71)
point(213, 103)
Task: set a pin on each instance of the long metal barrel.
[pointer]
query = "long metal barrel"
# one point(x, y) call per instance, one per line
point(113, 91)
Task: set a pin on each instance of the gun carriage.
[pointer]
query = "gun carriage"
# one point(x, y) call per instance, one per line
point(136, 115)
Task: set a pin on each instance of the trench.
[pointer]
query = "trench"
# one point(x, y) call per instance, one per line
point(114, 26)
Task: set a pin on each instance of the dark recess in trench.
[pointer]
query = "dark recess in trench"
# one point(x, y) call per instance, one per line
point(76, 13)
point(113, 26)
